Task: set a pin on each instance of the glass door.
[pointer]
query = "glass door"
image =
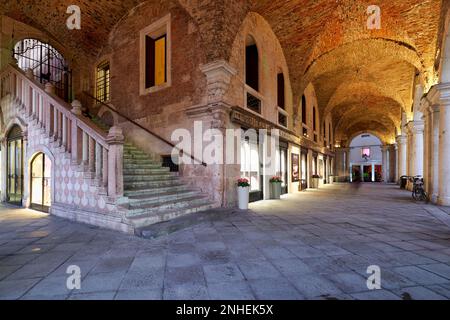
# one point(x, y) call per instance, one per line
point(281, 167)
point(251, 169)
point(15, 171)
point(41, 183)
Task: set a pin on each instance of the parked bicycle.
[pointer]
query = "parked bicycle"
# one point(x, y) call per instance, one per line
point(418, 190)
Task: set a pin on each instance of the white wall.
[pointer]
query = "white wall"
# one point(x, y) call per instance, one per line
point(361, 142)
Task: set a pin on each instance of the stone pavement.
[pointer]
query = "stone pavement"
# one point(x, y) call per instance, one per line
point(313, 245)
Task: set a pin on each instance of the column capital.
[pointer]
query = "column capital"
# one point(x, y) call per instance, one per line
point(416, 127)
point(401, 140)
point(385, 147)
point(218, 78)
point(440, 94)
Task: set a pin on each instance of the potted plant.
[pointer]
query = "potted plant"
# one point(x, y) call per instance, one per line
point(243, 193)
point(275, 187)
point(315, 181)
point(330, 179)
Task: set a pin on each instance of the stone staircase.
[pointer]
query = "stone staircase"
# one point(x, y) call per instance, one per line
point(153, 193)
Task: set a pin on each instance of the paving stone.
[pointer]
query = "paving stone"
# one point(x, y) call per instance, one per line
point(274, 289)
point(139, 294)
point(419, 293)
point(222, 273)
point(375, 295)
point(255, 270)
point(14, 289)
point(230, 290)
point(420, 276)
point(186, 292)
point(313, 286)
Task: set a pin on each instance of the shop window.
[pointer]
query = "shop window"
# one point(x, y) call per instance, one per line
point(155, 56)
point(102, 84)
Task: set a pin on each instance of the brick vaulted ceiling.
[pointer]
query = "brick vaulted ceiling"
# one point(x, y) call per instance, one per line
point(362, 77)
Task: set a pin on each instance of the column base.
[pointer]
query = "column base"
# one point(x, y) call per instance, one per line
point(443, 201)
point(434, 198)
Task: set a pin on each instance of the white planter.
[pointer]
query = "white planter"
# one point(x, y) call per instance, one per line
point(243, 197)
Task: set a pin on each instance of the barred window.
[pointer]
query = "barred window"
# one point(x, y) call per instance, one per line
point(102, 82)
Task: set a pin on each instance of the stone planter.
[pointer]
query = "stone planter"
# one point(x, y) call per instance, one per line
point(243, 196)
point(275, 190)
point(315, 183)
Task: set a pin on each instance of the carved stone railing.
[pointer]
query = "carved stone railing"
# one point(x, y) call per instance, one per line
point(98, 154)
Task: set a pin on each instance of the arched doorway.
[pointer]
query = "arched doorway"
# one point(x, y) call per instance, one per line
point(41, 169)
point(48, 65)
point(15, 166)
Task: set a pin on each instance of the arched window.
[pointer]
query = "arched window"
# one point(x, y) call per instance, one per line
point(329, 134)
point(314, 119)
point(315, 124)
point(252, 64)
point(280, 90)
point(47, 64)
point(303, 109)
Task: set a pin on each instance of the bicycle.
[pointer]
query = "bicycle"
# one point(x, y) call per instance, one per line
point(418, 191)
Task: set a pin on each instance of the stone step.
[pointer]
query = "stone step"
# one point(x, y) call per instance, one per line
point(153, 191)
point(144, 171)
point(141, 161)
point(129, 165)
point(146, 219)
point(129, 185)
point(159, 198)
point(136, 156)
point(193, 201)
point(148, 177)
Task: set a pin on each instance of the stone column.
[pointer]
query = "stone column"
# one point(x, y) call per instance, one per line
point(401, 143)
point(416, 129)
point(348, 169)
point(385, 163)
point(443, 197)
point(434, 153)
point(392, 163)
point(115, 140)
point(3, 167)
point(396, 172)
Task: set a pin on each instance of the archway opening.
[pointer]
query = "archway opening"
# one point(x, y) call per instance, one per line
point(47, 64)
point(41, 169)
point(366, 158)
point(14, 169)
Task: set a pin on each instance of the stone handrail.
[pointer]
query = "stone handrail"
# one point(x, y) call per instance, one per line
point(98, 154)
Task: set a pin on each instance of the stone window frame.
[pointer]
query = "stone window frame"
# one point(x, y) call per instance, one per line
point(156, 29)
point(247, 88)
point(99, 63)
point(282, 110)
